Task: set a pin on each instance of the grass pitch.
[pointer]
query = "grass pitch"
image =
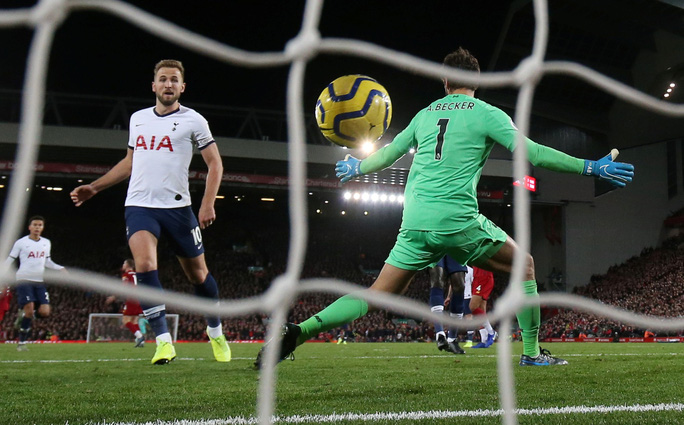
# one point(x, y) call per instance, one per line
point(407, 383)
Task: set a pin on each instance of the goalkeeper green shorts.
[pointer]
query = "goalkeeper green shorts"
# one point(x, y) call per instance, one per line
point(418, 249)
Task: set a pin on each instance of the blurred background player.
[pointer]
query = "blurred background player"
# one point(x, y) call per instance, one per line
point(33, 252)
point(160, 149)
point(482, 286)
point(452, 138)
point(467, 295)
point(131, 310)
point(5, 298)
point(451, 271)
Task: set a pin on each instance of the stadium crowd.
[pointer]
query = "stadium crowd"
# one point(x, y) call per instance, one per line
point(245, 259)
point(651, 283)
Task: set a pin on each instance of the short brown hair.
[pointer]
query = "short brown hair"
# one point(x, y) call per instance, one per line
point(36, 218)
point(170, 63)
point(461, 59)
point(130, 262)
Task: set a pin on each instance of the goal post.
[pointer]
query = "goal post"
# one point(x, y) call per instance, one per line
point(108, 327)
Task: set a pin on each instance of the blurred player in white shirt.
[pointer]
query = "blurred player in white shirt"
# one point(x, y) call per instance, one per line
point(33, 252)
point(160, 148)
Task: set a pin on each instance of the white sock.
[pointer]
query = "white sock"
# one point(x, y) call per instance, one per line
point(483, 335)
point(215, 332)
point(138, 334)
point(165, 337)
point(440, 333)
point(489, 328)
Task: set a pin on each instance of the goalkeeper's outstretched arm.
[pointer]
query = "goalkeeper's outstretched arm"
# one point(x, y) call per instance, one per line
point(617, 173)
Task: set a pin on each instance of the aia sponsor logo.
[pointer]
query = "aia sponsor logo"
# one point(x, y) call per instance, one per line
point(37, 254)
point(151, 145)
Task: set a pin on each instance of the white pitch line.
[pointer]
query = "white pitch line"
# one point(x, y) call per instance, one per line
point(413, 416)
point(350, 357)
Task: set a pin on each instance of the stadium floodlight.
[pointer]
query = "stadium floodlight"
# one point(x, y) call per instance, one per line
point(368, 147)
point(357, 196)
point(375, 197)
point(347, 195)
point(383, 197)
point(365, 196)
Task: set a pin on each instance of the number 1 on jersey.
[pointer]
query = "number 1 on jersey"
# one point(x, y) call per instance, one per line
point(442, 124)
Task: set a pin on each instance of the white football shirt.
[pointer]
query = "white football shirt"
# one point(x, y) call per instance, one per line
point(468, 284)
point(34, 257)
point(162, 150)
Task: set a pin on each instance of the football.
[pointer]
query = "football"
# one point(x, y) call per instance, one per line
point(353, 110)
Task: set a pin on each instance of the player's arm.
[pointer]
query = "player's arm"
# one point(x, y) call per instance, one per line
point(503, 131)
point(13, 255)
point(212, 158)
point(117, 174)
point(52, 265)
point(351, 167)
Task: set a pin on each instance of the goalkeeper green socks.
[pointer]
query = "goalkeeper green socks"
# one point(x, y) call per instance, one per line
point(529, 319)
point(342, 311)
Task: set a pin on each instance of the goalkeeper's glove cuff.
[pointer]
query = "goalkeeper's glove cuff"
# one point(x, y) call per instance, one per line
point(591, 168)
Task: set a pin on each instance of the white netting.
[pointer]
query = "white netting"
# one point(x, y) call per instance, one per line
point(48, 14)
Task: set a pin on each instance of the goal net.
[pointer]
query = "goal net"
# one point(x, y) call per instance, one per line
point(108, 327)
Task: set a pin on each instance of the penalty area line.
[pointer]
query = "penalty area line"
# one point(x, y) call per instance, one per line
point(413, 416)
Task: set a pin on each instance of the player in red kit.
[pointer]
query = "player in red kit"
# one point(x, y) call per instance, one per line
point(5, 298)
point(483, 284)
point(131, 310)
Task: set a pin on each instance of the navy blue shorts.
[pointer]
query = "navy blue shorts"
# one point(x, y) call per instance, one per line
point(178, 224)
point(451, 266)
point(32, 292)
point(466, 306)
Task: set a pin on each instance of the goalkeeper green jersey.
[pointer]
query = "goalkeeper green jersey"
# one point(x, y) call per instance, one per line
point(453, 137)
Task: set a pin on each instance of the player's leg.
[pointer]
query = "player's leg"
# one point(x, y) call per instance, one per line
point(529, 318)
point(130, 321)
point(143, 229)
point(26, 300)
point(345, 310)
point(206, 287)
point(43, 301)
point(412, 251)
point(467, 314)
point(437, 280)
point(186, 238)
point(349, 307)
point(479, 307)
point(143, 325)
point(456, 281)
point(143, 245)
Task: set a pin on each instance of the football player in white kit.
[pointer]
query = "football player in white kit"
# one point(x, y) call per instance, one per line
point(160, 148)
point(33, 252)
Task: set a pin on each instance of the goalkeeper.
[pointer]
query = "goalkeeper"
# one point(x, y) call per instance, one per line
point(452, 137)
